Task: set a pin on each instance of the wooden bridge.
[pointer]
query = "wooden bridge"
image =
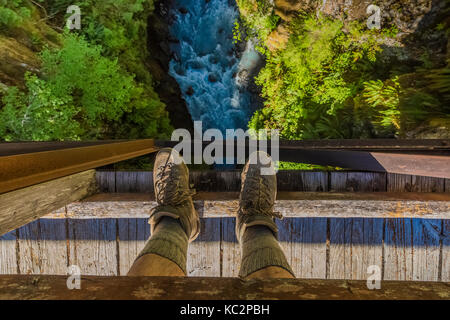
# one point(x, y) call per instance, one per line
point(337, 225)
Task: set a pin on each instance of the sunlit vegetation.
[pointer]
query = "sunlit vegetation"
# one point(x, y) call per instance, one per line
point(94, 85)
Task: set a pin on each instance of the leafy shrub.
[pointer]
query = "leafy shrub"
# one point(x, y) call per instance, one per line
point(308, 86)
point(258, 17)
point(82, 95)
point(385, 99)
point(13, 13)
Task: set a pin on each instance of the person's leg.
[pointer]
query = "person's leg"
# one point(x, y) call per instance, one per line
point(262, 252)
point(165, 252)
point(174, 222)
point(262, 256)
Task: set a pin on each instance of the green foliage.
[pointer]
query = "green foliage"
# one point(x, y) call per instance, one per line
point(81, 95)
point(308, 85)
point(385, 99)
point(39, 115)
point(13, 13)
point(440, 81)
point(258, 17)
point(283, 165)
point(96, 85)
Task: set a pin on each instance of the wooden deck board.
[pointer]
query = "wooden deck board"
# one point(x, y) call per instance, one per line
point(308, 247)
point(445, 250)
point(93, 246)
point(8, 258)
point(426, 249)
point(103, 236)
point(230, 249)
point(132, 237)
point(398, 250)
point(204, 253)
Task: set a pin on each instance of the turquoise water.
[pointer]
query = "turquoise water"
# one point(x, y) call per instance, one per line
point(206, 65)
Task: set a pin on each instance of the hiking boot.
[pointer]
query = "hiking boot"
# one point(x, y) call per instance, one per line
point(258, 194)
point(173, 194)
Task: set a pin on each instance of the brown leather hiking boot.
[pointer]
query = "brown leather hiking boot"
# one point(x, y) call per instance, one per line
point(258, 194)
point(173, 194)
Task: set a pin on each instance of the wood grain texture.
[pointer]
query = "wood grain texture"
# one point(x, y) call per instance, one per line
point(340, 262)
point(399, 182)
point(43, 198)
point(285, 238)
point(195, 288)
point(357, 181)
point(52, 246)
point(427, 184)
point(426, 249)
point(230, 249)
point(133, 235)
point(134, 181)
point(8, 258)
point(366, 246)
point(204, 253)
point(437, 206)
point(28, 243)
point(289, 180)
point(445, 250)
point(398, 250)
point(309, 247)
point(106, 181)
point(92, 246)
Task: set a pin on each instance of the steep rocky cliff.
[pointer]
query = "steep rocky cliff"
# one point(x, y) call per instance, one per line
point(160, 56)
point(415, 21)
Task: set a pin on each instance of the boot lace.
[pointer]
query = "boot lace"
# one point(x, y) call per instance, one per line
point(168, 190)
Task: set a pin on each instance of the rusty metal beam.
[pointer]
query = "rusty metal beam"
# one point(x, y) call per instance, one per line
point(416, 157)
point(413, 164)
point(26, 169)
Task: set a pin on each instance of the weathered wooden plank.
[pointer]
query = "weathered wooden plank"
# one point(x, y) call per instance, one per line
point(399, 182)
point(196, 288)
point(106, 181)
point(289, 180)
point(426, 249)
point(93, 246)
point(52, 246)
point(43, 198)
point(435, 206)
point(309, 247)
point(28, 243)
point(445, 250)
point(215, 180)
point(285, 237)
point(427, 184)
point(315, 181)
point(340, 264)
point(230, 249)
point(358, 181)
point(398, 250)
point(133, 234)
point(366, 246)
point(355, 244)
point(447, 185)
point(134, 181)
point(8, 258)
point(204, 253)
